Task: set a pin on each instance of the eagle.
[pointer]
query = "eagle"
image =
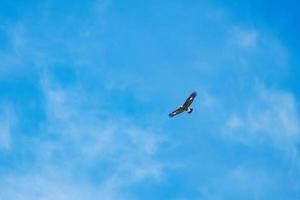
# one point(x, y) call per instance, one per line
point(185, 106)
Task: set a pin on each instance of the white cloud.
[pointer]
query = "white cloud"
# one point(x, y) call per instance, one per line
point(245, 38)
point(7, 121)
point(250, 48)
point(242, 182)
point(74, 141)
point(207, 100)
point(22, 52)
point(271, 117)
point(234, 122)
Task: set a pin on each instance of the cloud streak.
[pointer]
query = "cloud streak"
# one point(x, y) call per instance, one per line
point(80, 155)
point(7, 124)
point(269, 118)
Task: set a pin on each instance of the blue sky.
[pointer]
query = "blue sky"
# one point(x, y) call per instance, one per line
point(86, 87)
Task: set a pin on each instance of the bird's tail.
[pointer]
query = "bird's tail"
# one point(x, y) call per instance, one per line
point(190, 110)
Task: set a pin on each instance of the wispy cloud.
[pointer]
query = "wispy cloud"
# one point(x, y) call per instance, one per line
point(7, 123)
point(241, 182)
point(271, 117)
point(245, 38)
point(77, 145)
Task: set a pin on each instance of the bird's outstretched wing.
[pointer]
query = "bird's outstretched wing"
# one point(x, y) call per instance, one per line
point(189, 100)
point(176, 112)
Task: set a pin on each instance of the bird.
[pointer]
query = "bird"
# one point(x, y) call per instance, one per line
point(185, 106)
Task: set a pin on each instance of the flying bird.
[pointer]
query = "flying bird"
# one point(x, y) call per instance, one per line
point(185, 106)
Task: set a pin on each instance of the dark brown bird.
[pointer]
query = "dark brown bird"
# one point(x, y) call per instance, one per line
point(185, 106)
